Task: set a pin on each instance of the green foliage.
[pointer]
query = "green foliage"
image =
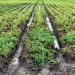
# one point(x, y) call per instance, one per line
point(69, 37)
point(43, 35)
point(64, 50)
point(53, 62)
point(37, 45)
point(10, 29)
point(73, 46)
point(39, 37)
point(39, 53)
point(6, 45)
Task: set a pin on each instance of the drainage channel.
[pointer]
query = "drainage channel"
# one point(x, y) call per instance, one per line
point(15, 61)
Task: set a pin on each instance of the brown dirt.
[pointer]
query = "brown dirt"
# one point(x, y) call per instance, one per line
point(27, 66)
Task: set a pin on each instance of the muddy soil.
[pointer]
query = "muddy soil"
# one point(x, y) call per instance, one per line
point(27, 66)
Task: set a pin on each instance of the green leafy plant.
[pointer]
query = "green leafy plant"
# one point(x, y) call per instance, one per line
point(69, 37)
point(39, 40)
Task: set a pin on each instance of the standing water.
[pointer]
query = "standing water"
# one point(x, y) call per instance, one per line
point(50, 27)
point(39, 7)
point(15, 61)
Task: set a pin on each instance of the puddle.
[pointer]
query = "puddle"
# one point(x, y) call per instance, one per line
point(15, 61)
point(56, 43)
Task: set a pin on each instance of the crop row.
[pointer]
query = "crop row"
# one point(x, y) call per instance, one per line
point(8, 20)
point(39, 39)
point(11, 29)
point(17, 8)
point(8, 8)
point(64, 18)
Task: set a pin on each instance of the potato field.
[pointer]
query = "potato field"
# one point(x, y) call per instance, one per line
point(37, 37)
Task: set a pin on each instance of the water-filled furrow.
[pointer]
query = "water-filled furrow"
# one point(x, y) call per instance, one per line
point(49, 24)
point(50, 27)
point(30, 21)
point(15, 61)
point(39, 7)
point(56, 43)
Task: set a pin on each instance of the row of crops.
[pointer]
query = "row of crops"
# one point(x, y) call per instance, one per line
point(12, 24)
point(39, 40)
point(63, 16)
point(9, 8)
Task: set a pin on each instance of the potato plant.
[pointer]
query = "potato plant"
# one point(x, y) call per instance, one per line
point(10, 30)
point(39, 40)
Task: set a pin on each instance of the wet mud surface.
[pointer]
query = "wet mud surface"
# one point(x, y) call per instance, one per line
point(27, 66)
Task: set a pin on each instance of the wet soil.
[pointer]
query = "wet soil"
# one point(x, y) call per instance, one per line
point(27, 66)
